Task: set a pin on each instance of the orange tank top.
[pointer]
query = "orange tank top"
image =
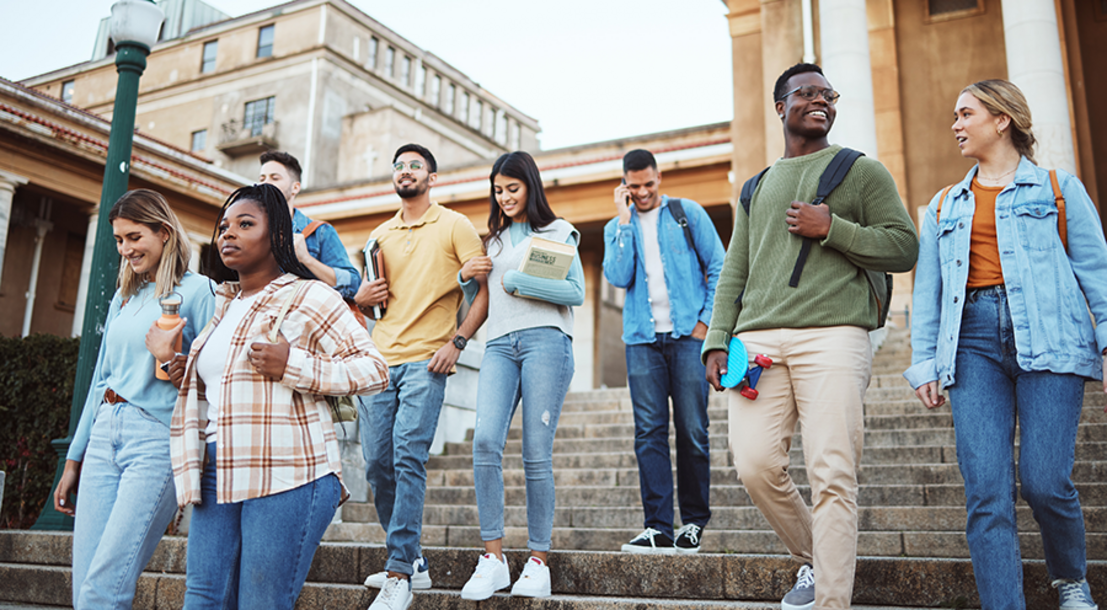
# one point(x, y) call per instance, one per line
point(984, 266)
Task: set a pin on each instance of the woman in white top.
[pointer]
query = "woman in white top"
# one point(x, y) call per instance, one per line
point(529, 355)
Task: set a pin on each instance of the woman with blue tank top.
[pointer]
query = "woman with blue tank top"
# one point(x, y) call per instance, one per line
point(528, 356)
point(120, 451)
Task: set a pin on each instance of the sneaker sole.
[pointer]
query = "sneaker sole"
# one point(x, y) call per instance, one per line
point(684, 551)
point(784, 606)
point(480, 598)
point(418, 583)
point(630, 548)
point(539, 595)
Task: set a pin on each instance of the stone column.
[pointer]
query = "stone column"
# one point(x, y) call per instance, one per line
point(844, 36)
point(86, 269)
point(1035, 64)
point(8, 183)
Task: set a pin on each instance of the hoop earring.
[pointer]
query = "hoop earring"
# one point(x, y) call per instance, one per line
point(999, 132)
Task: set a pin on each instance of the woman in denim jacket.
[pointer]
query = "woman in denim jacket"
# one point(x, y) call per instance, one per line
point(1002, 320)
point(529, 356)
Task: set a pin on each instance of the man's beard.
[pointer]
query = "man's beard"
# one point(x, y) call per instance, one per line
point(414, 190)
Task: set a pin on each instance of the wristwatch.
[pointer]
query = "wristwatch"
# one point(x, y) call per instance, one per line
point(460, 342)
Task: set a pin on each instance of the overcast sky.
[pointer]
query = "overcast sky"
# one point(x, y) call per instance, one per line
point(630, 67)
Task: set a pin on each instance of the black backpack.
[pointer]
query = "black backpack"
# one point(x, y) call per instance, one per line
point(880, 283)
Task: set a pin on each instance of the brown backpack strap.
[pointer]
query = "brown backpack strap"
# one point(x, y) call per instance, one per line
point(945, 192)
point(312, 226)
point(1062, 220)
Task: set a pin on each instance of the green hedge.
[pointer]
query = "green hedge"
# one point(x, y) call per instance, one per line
point(36, 390)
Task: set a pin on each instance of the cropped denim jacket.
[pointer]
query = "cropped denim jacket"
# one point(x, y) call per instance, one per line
point(1050, 292)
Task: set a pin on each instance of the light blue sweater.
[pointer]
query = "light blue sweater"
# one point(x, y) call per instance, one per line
point(124, 363)
point(569, 291)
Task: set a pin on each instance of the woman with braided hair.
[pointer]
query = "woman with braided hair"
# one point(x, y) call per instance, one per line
point(252, 438)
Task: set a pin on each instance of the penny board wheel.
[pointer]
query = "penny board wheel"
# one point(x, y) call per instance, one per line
point(763, 361)
point(737, 363)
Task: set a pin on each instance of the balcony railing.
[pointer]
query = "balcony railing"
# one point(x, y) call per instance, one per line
point(238, 138)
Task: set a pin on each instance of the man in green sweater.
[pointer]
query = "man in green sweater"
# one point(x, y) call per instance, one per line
point(816, 333)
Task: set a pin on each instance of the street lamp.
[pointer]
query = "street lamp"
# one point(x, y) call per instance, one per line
point(134, 30)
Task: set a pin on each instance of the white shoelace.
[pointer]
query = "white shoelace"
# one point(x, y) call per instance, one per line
point(1070, 591)
point(647, 535)
point(391, 590)
point(692, 531)
point(806, 578)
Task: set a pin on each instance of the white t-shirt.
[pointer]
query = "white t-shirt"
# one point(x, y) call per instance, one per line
point(655, 272)
point(211, 362)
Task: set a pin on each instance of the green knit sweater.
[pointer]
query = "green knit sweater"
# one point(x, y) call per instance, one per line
point(869, 228)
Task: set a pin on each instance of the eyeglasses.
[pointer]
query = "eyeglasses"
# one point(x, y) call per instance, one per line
point(810, 92)
point(414, 165)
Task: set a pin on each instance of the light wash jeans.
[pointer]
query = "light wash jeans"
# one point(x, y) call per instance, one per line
point(255, 553)
point(656, 371)
point(125, 501)
point(535, 364)
point(396, 429)
point(990, 395)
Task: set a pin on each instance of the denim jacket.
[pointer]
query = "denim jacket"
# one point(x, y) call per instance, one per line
point(327, 248)
point(1049, 291)
point(691, 295)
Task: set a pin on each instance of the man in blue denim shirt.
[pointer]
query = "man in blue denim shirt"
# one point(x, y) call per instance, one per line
point(321, 252)
point(670, 287)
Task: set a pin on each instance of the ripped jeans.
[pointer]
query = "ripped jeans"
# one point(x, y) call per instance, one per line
point(535, 364)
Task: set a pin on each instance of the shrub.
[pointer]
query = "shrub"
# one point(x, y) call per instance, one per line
point(36, 391)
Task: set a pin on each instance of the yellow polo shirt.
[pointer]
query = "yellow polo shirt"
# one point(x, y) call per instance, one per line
point(421, 262)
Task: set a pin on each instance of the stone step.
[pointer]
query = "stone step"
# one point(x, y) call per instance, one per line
point(33, 571)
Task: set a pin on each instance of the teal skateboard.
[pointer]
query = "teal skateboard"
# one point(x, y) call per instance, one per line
point(739, 372)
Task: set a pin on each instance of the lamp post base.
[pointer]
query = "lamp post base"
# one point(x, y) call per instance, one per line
point(50, 519)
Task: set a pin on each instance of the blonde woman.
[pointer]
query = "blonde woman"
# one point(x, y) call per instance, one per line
point(118, 463)
point(1003, 291)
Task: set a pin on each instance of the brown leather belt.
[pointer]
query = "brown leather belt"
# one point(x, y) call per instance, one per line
point(112, 398)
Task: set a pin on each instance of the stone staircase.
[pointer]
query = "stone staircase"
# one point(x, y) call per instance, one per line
point(911, 545)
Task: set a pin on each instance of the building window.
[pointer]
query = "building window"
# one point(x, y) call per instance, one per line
point(67, 92)
point(420, 79)
point(265, 41)
point(390, 62)
point(434, 95)
point(476, 113)
point(207, 64)
point(199, 140)
point(463, 107)
point(501, 127)
point(944, 10)
point(258, 114)
point(451, 97)
point(371, 55)
point(405, 70)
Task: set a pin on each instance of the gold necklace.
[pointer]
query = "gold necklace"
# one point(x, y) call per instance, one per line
point(991, 179)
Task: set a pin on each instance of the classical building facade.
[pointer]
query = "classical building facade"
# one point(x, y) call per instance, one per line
point(51, 170)
point(317, 78)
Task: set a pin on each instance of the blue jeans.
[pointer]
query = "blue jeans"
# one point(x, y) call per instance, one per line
point(535, 364)
point(125, 501)
point(255, 553)
point(990, 395)
point(396, 429)
point(656, 371)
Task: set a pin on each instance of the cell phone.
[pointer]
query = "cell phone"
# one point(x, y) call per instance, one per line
point(628, 196)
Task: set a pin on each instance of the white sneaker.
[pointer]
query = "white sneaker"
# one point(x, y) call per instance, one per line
point(420, 576)
point(394, 595)
point(490, 576)
point(534, 581)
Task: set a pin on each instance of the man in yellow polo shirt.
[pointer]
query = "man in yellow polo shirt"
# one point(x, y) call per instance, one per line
point(424, 247)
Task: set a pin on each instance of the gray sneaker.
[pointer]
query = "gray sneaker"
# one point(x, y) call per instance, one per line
point(1074, 594)
point(802, 595)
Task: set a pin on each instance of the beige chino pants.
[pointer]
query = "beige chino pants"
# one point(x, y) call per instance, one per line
point(818, 378)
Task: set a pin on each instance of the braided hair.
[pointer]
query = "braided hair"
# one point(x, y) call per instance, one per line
point(272, 202)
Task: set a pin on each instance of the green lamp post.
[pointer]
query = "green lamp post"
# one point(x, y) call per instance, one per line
point(135, 25)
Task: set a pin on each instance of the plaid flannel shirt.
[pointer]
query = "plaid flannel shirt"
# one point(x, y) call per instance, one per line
point(275, 436)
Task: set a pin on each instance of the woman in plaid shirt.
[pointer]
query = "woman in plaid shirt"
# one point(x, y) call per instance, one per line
point(253, 442)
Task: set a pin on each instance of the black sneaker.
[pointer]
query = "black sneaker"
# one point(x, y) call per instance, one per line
point(650, 541)
point(688, 539)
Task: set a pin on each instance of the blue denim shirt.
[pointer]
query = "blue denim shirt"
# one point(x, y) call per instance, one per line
point(1049, 291)
point(691, 294)
point(327, 248)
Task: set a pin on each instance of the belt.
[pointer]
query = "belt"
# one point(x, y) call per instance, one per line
point(112, 398)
